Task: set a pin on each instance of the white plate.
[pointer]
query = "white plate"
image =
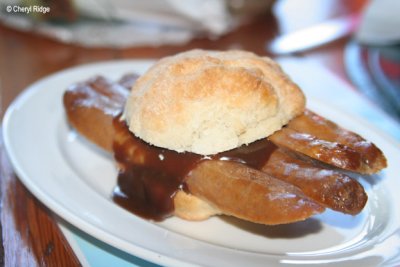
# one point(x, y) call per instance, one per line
point(75, 180)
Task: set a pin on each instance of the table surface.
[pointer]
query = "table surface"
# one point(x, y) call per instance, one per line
point(30, 235)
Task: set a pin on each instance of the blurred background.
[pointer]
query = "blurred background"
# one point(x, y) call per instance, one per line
point(359, 38)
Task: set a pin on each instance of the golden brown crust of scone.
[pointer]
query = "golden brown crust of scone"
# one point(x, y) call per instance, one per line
point(208, 101)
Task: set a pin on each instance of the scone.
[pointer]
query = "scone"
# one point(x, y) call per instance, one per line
point(207, 102)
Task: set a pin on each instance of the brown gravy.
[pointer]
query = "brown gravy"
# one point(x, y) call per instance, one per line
point(149, 176)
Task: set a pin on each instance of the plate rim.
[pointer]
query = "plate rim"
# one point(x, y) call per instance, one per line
point(87, 227)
